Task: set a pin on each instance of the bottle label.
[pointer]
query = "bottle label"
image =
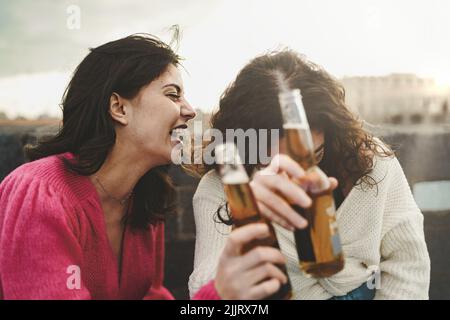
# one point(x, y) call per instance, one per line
point(336, 242)
point(291, 113)
point(331, 211)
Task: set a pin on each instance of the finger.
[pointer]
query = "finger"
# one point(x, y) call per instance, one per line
point(333, 183)
point(264, 289)
point(290, 191)
point(316, 180)
point(266, 212)
point(319, 180)
point(261, 255)
point(282, 162)
point(263, 272)
point(278, 205)
point(240, 236)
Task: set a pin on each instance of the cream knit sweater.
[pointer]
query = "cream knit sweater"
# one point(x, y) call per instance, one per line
point(378, 228)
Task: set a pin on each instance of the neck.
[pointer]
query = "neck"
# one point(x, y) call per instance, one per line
point(119, 174)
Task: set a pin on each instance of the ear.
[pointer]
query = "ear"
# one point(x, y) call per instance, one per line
point(118, 109)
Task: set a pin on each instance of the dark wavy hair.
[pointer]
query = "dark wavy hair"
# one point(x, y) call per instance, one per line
point(123, 66)
point(251, 101)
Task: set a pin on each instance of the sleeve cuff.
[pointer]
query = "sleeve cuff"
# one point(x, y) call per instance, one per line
point(207, 292)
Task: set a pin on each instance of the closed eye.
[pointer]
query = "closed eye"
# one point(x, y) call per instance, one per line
point(174, 97)
point(319, 152)
point(319, 155)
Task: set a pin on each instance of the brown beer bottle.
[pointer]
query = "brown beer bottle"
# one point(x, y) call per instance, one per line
point(243, 206)
point(318, 245)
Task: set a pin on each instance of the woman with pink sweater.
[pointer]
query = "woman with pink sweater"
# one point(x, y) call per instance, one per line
point(84, 219)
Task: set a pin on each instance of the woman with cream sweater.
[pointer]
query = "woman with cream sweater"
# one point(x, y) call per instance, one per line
point(380, 225)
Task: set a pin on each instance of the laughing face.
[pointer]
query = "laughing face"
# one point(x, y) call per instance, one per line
point(157, 117)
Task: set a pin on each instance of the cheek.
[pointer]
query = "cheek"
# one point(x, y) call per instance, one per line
point(143, 130)
point(152, 129)
point(318, 139)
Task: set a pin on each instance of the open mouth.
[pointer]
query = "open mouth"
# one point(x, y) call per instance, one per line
point(177, 133)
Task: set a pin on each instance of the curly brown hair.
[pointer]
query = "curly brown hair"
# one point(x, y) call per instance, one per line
point(251, 101)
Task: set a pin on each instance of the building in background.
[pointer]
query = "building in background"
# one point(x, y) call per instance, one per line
point(398, 99)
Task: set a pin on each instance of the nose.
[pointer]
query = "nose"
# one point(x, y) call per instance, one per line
point(187, 111)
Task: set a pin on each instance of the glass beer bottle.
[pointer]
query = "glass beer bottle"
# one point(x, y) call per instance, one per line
point(243, 206)
point(318, 245)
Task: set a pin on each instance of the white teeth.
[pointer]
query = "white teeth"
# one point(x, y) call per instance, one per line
point(179, 134)
point(178, 131)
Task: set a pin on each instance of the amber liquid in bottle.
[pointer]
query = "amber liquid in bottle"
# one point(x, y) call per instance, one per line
point(244, 210)
point(318, 245)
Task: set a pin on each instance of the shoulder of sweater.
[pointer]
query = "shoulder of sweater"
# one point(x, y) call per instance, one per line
point(400, 203)
point(211, 184)
point(51, 173)
point(385, 167)
point(38, 191)
point(384, 164)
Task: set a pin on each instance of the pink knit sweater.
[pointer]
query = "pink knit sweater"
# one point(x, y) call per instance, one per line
point(54, 245)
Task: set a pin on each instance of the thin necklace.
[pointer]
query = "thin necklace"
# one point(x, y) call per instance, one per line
point(122, 201)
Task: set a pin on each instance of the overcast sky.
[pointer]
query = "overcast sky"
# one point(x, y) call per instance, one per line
point(38, 51)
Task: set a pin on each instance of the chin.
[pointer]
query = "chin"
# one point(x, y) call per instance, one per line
point(158, 158)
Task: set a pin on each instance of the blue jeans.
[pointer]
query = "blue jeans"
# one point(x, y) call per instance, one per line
point(360, 293)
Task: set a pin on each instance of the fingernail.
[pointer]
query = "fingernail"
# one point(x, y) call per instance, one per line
point(308, 202)
point(301, 223)
point(300, 174)
point(264, 229)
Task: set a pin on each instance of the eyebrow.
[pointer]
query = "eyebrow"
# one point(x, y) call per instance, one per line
point(177, 87)
point(319, 148)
